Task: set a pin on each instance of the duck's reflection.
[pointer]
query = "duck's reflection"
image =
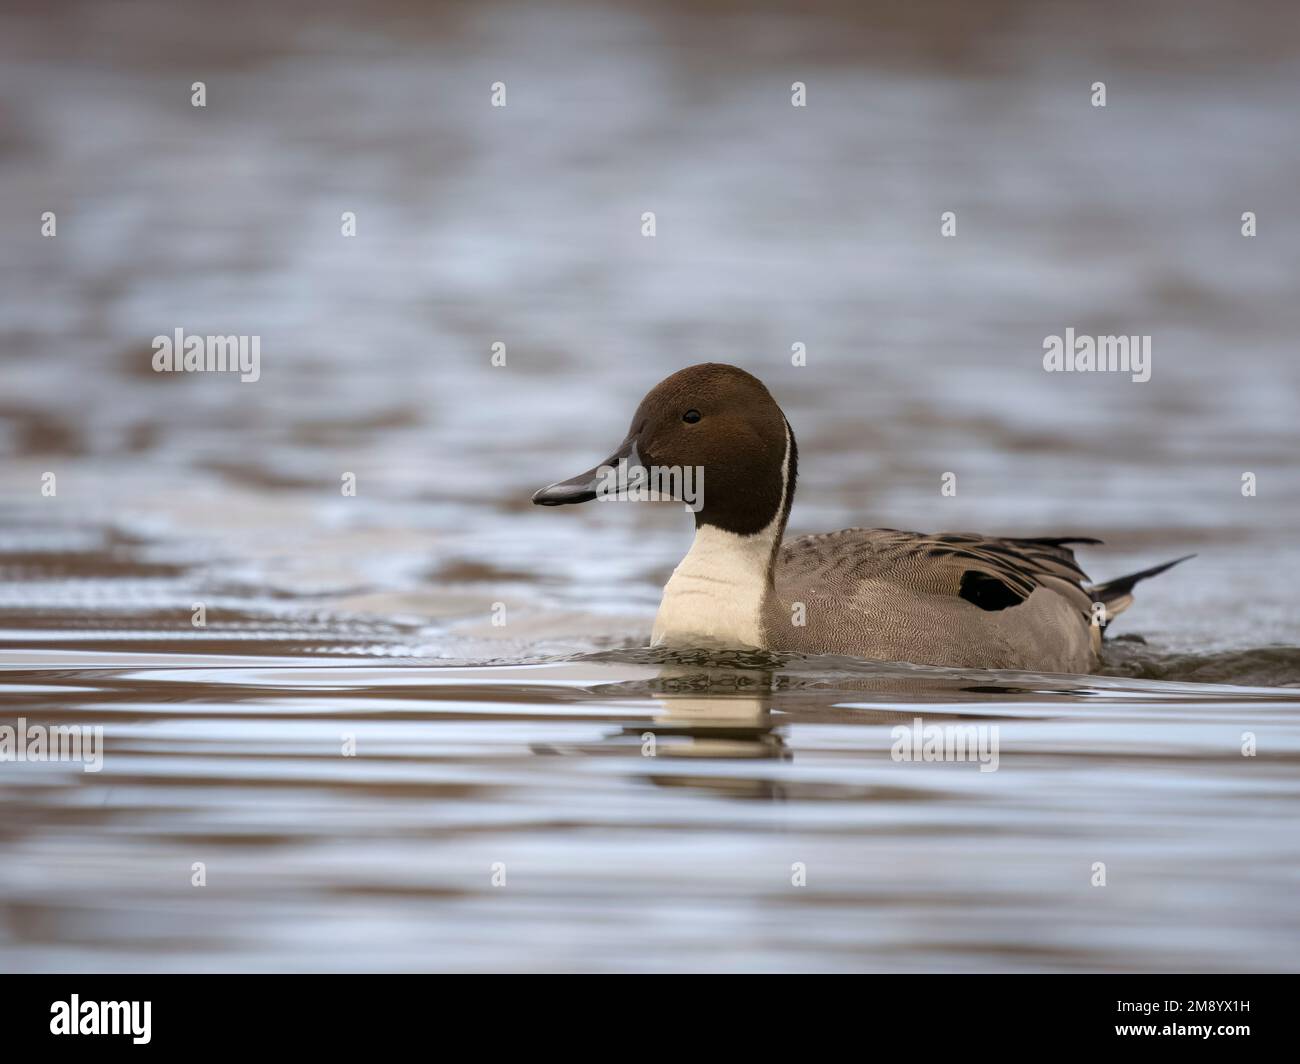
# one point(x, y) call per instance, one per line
point(712, 728)
point(730, 717)
point(711, 718)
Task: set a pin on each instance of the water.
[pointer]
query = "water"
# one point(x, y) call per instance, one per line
point(369, 620)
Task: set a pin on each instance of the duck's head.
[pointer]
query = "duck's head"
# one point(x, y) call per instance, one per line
point(711, 417)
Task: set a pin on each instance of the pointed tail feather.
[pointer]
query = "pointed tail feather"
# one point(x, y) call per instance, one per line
point(1117, 594)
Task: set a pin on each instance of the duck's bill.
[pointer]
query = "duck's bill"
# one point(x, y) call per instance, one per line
point(586, 486)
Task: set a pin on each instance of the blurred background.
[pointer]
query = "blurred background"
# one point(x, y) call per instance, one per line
point(776, 225)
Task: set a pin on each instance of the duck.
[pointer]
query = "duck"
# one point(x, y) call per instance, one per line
point(952, 599)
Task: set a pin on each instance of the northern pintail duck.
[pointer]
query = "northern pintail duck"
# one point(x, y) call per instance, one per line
point(955, 599)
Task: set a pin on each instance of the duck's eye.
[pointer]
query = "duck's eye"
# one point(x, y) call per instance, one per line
point(691, 417)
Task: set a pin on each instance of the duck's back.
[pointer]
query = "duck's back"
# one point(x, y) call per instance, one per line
point(946, 599)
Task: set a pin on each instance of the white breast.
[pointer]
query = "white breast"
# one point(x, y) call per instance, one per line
point(717, 592)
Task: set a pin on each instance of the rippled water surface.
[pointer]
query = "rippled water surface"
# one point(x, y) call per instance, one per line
point(616, 860)
point(375, 775)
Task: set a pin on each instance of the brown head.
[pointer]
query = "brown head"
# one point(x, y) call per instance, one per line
point(721, 419)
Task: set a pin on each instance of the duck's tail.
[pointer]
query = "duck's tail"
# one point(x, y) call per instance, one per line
point(1117, 594)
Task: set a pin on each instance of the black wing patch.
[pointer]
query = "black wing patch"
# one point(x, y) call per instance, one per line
point(988, 592)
